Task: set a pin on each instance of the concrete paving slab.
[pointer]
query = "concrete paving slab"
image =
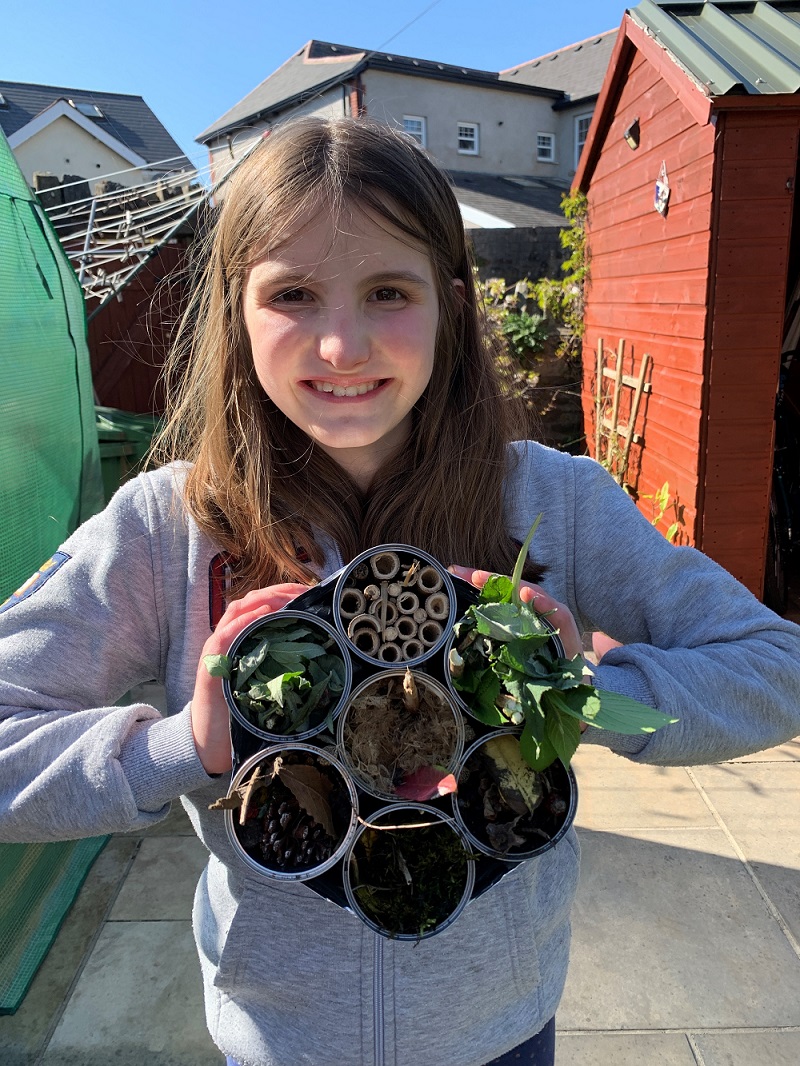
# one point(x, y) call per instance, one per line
point(760, 806)
point(615, 793)
point(175, 824)
point(162, 880)
point(22, 1035)
point(151, 693)
point(671, 933)
point(138, 1000)
point(632, 1049)
point(788, 752)
point(749, 1049)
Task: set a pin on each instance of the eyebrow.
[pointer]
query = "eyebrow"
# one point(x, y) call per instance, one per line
point(288, 278)
point(387, 277)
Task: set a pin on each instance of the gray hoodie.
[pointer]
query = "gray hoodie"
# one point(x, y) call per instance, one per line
point(289, 977)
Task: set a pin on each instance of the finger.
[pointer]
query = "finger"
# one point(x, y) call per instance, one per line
point(257, 597)
point(478, 578)
point(541, 601)
point(234, 621)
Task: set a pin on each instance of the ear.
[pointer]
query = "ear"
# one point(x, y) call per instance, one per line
point(458, 287)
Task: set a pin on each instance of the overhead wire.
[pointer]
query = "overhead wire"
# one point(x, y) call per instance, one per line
point(149, 226)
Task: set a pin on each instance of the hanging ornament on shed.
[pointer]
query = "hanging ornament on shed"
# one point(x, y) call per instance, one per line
point(662, 191)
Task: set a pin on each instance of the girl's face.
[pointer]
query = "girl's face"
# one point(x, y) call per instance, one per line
point(342, 322)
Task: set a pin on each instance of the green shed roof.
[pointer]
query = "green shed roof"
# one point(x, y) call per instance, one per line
point(740, 47)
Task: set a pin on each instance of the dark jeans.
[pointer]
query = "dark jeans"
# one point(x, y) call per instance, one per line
point(540, 1050)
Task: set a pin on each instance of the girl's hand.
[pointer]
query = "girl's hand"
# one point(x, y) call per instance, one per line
point(210, 714)
point(558, 614)
point(601, 643)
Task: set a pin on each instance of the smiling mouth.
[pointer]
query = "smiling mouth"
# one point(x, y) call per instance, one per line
point(346, 390)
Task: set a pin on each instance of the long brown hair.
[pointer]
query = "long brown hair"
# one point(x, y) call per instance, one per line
point(258, 486)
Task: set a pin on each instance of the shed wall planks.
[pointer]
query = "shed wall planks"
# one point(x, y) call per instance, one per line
point(747, 308)
point(649, 278)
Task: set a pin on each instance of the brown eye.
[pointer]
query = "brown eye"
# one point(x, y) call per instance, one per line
point(291, 296)
point(387, 295)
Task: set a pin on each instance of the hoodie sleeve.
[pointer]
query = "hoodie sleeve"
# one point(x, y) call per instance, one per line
point(72, 643)
point(697, 645)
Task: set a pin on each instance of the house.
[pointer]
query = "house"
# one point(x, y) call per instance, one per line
point(691, 174)
point(578, 71)
point(120, 195)
point(74, 134)
point(484, 127)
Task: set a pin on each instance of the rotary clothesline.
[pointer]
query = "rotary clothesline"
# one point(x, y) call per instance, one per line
point(109, 237)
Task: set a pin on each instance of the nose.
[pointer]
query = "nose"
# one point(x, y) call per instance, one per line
point(342, 342)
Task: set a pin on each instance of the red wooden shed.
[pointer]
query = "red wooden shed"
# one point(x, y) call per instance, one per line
point(700, 104)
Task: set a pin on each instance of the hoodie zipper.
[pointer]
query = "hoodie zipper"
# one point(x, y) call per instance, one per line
point(377, 999)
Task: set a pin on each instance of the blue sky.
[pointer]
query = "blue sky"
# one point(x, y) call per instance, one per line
point(192, 61)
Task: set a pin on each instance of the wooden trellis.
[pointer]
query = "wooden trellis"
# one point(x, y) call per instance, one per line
point(608, 429)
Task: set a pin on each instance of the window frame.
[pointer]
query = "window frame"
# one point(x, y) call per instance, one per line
point(88, 109)
point(476, 129)
point(551, 158)
point(578, 119)
point(422, 139)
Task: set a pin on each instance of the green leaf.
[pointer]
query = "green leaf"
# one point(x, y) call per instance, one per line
point(538, 752)
point(519, 652)
point(498, 589)
point(581, 702)
point(519, 566)
point(506, 621)
point(334, 666)
point(218, 665)
point(621, 714)
point(481, 701)
point(249, 663)
point(563, 732)
point(296, 649)
point(314, 696)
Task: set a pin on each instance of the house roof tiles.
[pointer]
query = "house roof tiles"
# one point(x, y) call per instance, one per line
point(578, 69)
point(127, 118)
point(520, 201)
point(321, 65)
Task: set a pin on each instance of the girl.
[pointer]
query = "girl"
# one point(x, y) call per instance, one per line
point(337, 392)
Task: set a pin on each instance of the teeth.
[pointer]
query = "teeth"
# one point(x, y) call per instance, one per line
point(342, 390)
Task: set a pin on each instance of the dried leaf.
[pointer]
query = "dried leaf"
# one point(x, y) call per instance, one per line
point(519, 784)
point(502, 836)
point(226, 803)
point(426, 783)
point(311, 788)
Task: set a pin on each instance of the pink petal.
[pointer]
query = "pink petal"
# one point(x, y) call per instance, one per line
point(426, 783)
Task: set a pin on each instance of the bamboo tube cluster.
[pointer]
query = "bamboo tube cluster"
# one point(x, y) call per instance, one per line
point(394, 611)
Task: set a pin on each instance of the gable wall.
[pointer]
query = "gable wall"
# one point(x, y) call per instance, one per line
point(649, 280)
point(223, 153)
point(508, 121)
point(63, 147)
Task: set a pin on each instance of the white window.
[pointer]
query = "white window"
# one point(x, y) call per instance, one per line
point(582, 124)
point(468, 139)
point(85, 108)
point(546, 147)
point(414, 125)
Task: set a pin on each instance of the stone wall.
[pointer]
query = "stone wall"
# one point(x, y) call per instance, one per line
point(553, 395)
point(523, 252)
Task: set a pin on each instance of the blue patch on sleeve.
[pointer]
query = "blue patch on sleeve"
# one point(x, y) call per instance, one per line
point(44, 573)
